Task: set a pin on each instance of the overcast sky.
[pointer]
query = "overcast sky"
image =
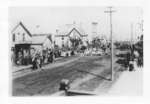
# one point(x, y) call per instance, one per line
point(48, 19)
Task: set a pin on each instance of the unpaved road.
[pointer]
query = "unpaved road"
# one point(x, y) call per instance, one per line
point(80, 71)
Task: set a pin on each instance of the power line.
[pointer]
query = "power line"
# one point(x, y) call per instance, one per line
point(110, 11)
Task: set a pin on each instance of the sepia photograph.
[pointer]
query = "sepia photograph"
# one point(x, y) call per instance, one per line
point(76, 50)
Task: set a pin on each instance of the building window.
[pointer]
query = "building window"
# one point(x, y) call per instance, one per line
point(23, 37)
point(63, 45)
point(13, 37)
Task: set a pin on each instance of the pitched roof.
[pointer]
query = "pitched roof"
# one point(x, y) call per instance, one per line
point(36, 38)
point(40, 38)
point(67, 30)
point(22, 25)
point(79, 32)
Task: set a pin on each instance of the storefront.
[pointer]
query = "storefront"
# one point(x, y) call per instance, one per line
point(22, 54)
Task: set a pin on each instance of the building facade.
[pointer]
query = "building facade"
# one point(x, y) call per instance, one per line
point(24, 44)
point(64, 37)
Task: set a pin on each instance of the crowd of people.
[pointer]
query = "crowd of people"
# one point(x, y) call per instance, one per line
point(39, 58)
point(135, 59)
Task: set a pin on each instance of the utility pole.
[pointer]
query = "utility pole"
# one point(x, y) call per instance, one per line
point(131, 33)
point(142, 26)
point(110, 11)
point(132, 42)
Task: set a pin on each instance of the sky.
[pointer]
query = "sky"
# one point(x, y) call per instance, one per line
point(48, 19)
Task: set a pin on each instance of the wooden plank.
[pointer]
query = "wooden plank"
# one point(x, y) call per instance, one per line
point(77, 92)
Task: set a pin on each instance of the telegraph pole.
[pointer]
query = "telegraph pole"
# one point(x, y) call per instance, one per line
point(110, 11)
point(132, 42)
point(132, 33)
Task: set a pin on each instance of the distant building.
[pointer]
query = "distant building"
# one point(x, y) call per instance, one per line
point(71, 31)
point(42, 41)
point(24, 44)
point(94, 29)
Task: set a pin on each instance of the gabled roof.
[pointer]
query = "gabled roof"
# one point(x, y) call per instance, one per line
point(67, 30)
point(37, 39)
point(74, 29)
point(22, 25)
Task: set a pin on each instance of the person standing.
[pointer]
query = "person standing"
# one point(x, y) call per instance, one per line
point(51, 56)
point(34, 63)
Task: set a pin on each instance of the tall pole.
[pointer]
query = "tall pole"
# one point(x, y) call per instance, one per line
point(131, 33)
point(142, 26)
point(110, 11)
point(94, 30)
point(132, 41)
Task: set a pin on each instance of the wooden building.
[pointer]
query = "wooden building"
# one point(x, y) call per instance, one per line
point(65, 34)
point(24, 44)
